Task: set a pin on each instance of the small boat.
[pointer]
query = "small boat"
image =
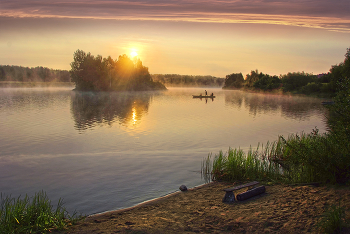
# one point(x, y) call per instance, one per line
point(203, 96)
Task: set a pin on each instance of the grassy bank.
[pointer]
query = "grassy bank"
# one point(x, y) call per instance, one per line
point(33, 215)
point(303, 158)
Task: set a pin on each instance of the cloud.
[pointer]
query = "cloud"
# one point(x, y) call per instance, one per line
point(328, 14)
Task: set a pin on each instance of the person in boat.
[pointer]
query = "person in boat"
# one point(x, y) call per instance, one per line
point(212, 94)
point(206, 93)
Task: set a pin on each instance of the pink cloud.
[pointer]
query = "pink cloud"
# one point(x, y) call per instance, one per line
point(328, 14)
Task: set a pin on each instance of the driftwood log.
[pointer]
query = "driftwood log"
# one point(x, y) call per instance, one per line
point(230, 197)
point(251, 193)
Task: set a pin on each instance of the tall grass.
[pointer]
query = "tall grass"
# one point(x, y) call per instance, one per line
point(35, 215)
point(303, 158)
point(237, 165)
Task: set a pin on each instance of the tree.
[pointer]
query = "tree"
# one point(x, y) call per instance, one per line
point(294, 81)
point(92, 73)
point(252, 78)
point(267, 82)
point(234, 80)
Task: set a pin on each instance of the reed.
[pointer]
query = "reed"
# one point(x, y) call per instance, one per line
point(303, 158)
point(33, 215)
point(238, 165)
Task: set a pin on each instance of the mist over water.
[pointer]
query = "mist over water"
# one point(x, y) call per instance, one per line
point(105, 151)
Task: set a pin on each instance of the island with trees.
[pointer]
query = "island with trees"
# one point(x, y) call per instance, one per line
point(90, 73)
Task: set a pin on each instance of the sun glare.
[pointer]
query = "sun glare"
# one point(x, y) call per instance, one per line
point(133, 54)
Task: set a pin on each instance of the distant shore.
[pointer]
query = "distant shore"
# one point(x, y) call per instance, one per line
point(18, 84)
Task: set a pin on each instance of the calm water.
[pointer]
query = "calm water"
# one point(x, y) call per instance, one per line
point(108, 151)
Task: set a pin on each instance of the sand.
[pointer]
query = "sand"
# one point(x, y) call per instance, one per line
point(282, 209)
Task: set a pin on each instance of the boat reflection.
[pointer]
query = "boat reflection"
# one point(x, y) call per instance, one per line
point(206, 97)
point(90, 109)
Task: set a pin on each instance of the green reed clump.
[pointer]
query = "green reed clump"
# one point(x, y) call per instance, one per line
point(237, 165)
point(332, 220)
point(35, 215)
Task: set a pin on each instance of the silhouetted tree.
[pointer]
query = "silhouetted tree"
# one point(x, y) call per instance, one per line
point(252, 78)
point(102, 74)
point(267, 82)
point(234, 80)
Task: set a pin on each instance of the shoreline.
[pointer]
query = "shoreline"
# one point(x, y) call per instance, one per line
point(144, 203)
point(282, 208)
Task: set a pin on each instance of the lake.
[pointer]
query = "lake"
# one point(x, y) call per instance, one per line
point(106, 151)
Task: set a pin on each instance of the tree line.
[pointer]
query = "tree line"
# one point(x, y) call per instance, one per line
point(188, 80)
point(295, 82)
point(36, 74)
point(94, 73)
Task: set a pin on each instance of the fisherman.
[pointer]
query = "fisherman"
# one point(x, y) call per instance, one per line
point(206, 92)
point(212, 94)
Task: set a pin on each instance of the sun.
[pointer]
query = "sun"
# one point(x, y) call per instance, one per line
point(133, 54)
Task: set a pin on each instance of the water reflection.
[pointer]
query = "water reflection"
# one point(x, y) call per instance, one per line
point(20, 99)
point(103, 108)
point(293, 107)
point(206, 99)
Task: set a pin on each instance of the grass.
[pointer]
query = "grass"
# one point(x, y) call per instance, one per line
point(33, 215)
point(237, 165)
point(303, 158)
point(332, 220)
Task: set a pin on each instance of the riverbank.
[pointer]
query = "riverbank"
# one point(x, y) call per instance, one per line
point(283, 208)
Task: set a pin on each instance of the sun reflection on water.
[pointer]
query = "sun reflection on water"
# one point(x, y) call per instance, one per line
point(134, 120)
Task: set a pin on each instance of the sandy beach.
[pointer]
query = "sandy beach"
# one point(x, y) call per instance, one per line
point(283, 208)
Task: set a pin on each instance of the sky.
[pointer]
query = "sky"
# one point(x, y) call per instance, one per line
point(188, 37)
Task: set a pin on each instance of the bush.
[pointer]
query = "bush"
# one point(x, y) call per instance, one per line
point(310, 88)
point(326, 88)
point(316, 157)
